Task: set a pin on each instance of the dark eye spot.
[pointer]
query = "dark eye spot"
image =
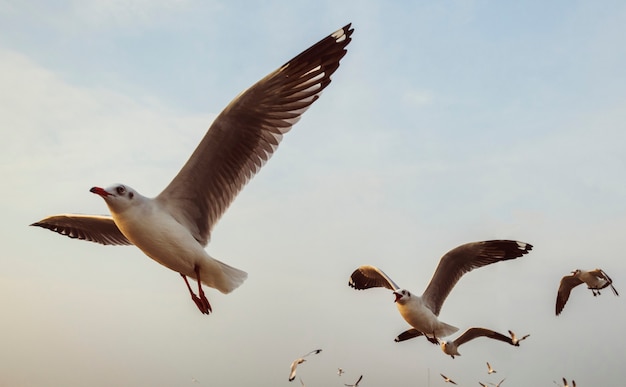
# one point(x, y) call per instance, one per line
point(130, 195)
point(120, 190)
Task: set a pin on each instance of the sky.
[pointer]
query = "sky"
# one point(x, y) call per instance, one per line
point(447, 122)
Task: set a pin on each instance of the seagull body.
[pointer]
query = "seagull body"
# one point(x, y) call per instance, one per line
point(300, 360)
point(595, 280)
point(174, 227)
point(490, 370)
point(339, 371)
point(514, 340)
point(452, 347)
point(447, 379)
point(355, 384)
point(422, 313)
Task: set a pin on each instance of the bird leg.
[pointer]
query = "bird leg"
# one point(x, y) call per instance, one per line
point(201, 302)
point(433, 339)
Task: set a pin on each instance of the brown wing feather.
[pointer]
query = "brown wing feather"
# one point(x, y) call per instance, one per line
point(367, 276)
point(93, 228)
point(565, 287)
point(466, 258)
point(473, 333)
point(246, 133)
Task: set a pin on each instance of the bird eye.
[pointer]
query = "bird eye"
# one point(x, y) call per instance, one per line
point(120, 190)
point(130, 195)
point(404, 292)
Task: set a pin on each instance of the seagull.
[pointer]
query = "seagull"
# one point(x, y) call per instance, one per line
point(514, 340)
point(300, 360)
point(447, 379)
point(596, 280)
point(482, 384)
point(565, 383)
point(355, 384)
point(339, 371)
point(174, 227)
point(422, 312)
point(451, 347)
point(498, 385)
point(490, 370)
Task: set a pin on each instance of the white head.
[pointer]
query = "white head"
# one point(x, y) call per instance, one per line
point(117, 197)
point(449, 348)
point(402, 296)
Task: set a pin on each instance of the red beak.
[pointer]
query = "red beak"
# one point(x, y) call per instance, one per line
point(398, 296)
point(99, 191)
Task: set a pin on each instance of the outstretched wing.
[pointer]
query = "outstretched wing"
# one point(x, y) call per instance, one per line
point(473, 333)
point(466, 258)
point(94, 228)
point(565, 287)
point(368, 276)
point(246, 134)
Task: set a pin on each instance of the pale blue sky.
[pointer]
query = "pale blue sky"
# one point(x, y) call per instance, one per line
point(447, 122)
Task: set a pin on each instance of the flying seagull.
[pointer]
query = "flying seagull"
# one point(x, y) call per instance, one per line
point(422, 312)
point(355, 384)
point(490, 370)
point(447, 379)
point(498, 385)
point(514, 340)
point(339, 371)
point(174, 227)
point(452, 347)
point(565, 383)
point(300, 360)
point(596, 280)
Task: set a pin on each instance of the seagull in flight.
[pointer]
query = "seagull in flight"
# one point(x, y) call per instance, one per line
point(339, 371)
point(300, 360)
point(452, 347)
point(355, 384)
point(447, 379)
point(174, 227)
point(514, 340)
point(595, 280)
point(498, 385)
point(422, 312)
point(490, 370)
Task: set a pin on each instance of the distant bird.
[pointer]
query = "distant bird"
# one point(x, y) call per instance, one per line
point(482, 384)
point(451, 347)
point(422, 312)
point(174, 227)
point(447, 379)
point(498, 385)
point(300, 360)
point(565, 383)
point(355, 384)
point(339, 371)
point(301, 382)
point(490, 370)
point(194, 380)
point(514, 340)
point(596, 280)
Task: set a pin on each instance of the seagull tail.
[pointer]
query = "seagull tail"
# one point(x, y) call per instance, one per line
point(221, 276)
point(444, 330)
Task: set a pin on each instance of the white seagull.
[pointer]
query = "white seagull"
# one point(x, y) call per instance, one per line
point(339, 371)
point(300, 360)
point(514, 340)
point(596, 280)
point(490, 370)
point(174, 227)
point(447, 379)
point(355, 384)
point(422, 312)
point(452, 347)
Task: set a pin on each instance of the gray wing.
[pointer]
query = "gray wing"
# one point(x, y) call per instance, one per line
point(466, 258)
point(609, 282)
point(565, 287)
point(246, 133)
point(408, 334)
point(315, 351)
point(473, 333)
point(94, 228)
point(368, 276)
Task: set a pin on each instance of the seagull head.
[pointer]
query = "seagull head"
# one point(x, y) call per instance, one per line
point(118, 197)
point(402, 296)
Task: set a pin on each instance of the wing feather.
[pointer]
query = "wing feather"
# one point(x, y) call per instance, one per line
point(368, 276)
point(94, 228)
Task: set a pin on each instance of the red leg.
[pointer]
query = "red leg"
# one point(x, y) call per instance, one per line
point(203, 299)
point(201, 303)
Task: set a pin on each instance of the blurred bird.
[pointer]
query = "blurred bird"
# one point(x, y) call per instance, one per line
point(514, 340)
point(497, 385)
point(447, 379)
point(339, 371)
point(300, 360)
point(175, 227)
point(490, 370)
point(596, 280)
point(355, 384)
